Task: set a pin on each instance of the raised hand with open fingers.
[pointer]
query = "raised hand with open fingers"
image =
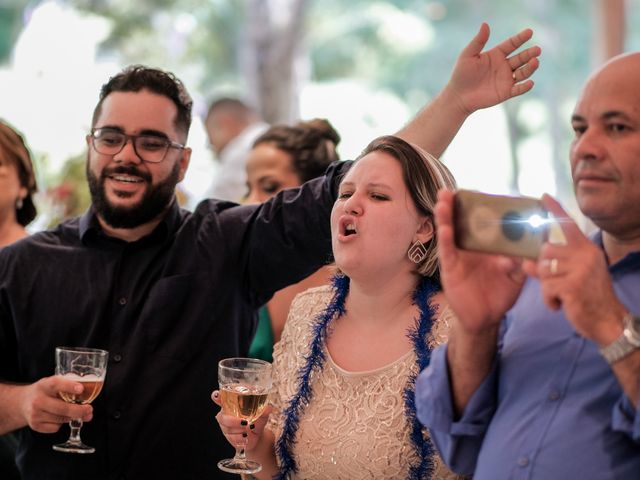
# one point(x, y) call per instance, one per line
point(483, 79)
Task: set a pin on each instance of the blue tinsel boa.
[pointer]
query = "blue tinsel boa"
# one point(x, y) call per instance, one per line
point(315, 362)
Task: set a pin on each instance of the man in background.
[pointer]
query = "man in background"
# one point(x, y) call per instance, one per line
point(232, 126)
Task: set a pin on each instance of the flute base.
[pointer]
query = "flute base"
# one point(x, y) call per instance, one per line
point(73, 447)
point(239, 465)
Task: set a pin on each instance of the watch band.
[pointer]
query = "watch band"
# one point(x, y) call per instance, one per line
point(626, 343)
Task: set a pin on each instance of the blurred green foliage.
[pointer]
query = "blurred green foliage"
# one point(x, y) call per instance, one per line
point(68, 195)
point(11, 13)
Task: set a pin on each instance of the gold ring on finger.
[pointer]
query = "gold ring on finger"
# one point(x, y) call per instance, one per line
point(553, 266)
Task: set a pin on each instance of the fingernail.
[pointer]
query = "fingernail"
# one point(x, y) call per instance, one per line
point(252, 426)
point(244, 423)
point(244, 434)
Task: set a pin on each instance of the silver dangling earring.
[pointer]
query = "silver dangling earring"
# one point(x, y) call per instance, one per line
point(417, 252)
point(19, 203)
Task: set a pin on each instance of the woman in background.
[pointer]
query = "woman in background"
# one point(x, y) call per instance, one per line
point(286, 157)
point(17, 186)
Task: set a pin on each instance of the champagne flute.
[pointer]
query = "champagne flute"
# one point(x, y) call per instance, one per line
point(89, 367)
point(244, 391)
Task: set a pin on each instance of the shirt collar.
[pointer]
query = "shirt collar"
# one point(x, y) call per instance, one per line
point(630, 261)
point(89, 226)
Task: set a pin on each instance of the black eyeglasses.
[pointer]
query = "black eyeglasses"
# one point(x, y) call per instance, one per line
point(150, 148)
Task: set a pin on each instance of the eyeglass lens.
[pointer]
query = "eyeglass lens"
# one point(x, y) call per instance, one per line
point(148, 147)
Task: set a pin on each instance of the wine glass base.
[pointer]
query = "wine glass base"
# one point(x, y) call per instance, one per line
point(239, 465)
point(71, 447)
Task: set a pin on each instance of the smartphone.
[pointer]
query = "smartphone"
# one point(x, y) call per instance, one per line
point(514, 226)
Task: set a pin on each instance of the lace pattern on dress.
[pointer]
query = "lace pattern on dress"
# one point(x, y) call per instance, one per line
point(355, 427)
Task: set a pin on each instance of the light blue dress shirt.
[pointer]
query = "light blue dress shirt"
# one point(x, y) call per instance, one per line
point(551, 408)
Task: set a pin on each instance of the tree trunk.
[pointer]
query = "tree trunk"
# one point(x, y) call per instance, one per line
point(273, 57)
point(511, 111)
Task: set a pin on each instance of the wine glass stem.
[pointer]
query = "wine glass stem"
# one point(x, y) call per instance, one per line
point(76, 425)
point(240, 455)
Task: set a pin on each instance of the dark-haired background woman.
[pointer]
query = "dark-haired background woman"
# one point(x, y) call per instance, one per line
point(286, 156)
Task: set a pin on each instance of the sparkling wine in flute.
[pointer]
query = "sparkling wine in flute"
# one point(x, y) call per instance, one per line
point(242, 401)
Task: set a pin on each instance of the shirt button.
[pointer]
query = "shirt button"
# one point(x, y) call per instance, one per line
point(554, 395)
point(116, 415)
point(523, 462)
point(117, 358)
point(122, 301)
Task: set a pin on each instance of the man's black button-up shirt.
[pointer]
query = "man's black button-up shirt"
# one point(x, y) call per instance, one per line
point(167, 307)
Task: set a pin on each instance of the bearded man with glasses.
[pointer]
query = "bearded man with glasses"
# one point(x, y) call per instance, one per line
point(125, 194)
point(170, 292)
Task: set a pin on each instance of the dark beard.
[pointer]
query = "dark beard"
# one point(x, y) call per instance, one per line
point(156, 199)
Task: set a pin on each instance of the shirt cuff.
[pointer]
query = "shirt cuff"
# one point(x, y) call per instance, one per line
point(435, 405)
point(626, 419)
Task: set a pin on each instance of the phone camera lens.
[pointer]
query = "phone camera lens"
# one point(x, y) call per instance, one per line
point(513, 226)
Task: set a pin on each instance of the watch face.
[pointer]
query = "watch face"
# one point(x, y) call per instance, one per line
point(634, 330)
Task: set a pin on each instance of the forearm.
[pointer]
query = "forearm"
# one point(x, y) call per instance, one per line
point(11, 417)
point(435, 126)
point(264, 453)
point(469, 358)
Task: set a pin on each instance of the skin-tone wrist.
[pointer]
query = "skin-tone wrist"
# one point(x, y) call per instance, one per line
point(11, 399)
point(610, 327)
point(469, 357)
point(264, 453)
point(453, 100)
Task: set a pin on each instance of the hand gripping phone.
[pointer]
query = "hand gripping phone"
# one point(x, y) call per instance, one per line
point(514, 226)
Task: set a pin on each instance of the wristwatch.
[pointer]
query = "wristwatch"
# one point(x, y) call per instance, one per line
point(626, 343)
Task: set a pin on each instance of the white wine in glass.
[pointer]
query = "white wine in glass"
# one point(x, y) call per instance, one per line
point(244, 391)
point(87, 366)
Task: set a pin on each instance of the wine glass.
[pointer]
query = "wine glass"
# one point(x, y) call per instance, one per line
point(244, 391)
point(87, 366)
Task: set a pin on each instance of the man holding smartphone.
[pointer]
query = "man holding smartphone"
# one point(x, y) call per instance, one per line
point(540, 378)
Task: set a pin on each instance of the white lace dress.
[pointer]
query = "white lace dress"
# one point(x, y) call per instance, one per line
point(355, 426)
